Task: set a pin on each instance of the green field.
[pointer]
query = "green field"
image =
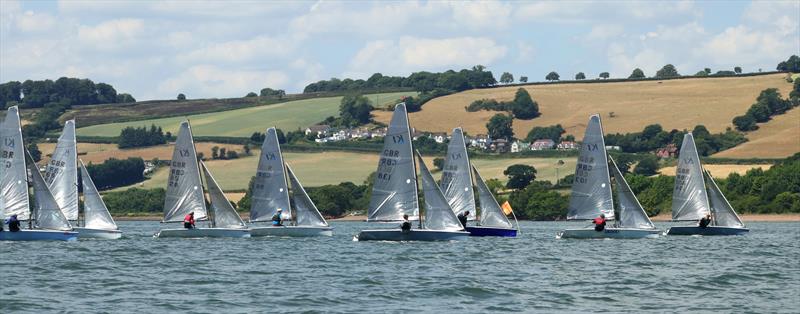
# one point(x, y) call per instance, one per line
point(243, 122)
point(315, 169)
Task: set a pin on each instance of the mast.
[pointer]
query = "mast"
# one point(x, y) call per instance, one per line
point(414, 164)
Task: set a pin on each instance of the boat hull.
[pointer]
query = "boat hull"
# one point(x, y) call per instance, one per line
point(411, 235)
point(608, 233)
point(90, 233)
point(38, 235)
point(707, 231)
point(291, 231)
point(203, 233)
point(491, 232)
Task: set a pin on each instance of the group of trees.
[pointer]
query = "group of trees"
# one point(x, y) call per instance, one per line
point(499, 126)
point(769, 103)
point(272, 93)
point(423, 81)
point(776, 190)
point(522, 107)
point(141, 137)
point(225, 153)
point(414, 104)
point(653, 137)
point(790, 65)
point(354, 110)
point(65, 91)
point(117, 172)
point(539, 201)
point(135, 200)
point(552, 132)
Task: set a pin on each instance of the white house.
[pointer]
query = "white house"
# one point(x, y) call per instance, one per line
point(439, 137)
point(567, 145)
point(543, 144)
point(320, 130)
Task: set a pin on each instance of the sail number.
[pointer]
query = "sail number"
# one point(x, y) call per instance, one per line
point(176, 172)
point(681, 179)
point(583, 169)
point(389, 159)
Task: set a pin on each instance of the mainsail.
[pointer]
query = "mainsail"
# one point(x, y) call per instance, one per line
point(269, 190)
point(224, 215)
point(724, 215)
point(457, 178)
point(591, 190)
point(438, 214)
point(184, 189)
point(306, 212)
point(491, 213)
point(62, 172)
point(394, 192)
point(95, 212)
point(689, 198)
point(14, 177)
point(631, 213)
point(47, 214)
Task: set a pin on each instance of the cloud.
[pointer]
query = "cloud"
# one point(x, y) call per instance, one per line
point(35, 22)
point(111, 34)
point(213, 81)
point(237, 50)
point(742, 45)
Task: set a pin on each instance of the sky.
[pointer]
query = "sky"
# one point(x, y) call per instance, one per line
point(157, 49)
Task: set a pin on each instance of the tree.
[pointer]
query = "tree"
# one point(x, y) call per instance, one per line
point(523, 107)
point(273, 93)
point(737, 69)
point(637, 74)
point(246, 149)
point(707, 70)
point(125, 98)
point(355, 110)
point(215, 152)
point(701, 73)
point(506, 78)
point(519, 176)
point(745, 123)
point(648, 166)
point(580, 76)
point(231, 154)
point(499, 126)
point(181, 96)
point(552, 76)
point(790, 65)
point(438, 162)
point(523, 79)
point(552, 132)
point(32, 148)
point(667, 71)
point(280, 135)
point(604, 75)
point(251, 94)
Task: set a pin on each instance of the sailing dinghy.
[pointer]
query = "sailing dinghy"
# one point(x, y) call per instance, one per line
point(592, 195)
point(456, 184)
point(394, 192)
point(97, 221)
point(185, 195)
point(45, 219)
point(270, 193)
point(696, 195)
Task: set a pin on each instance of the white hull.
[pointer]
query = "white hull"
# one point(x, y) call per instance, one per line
point(203, 233)
point(89, 233)
point(291, 231)
point(38, 235)
point(411, 235)
point(608, 233)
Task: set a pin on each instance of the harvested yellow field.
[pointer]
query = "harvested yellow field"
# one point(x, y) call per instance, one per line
point(718, 171)
point(778, 138)
point(98, 153)
point(675, 104)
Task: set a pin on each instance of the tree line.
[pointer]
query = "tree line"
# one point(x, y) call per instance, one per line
point(768, 104)
point(522, 107)
point(66, 91)
point(130, 137)
point(654, 136)
point(117, 172)
point(422, 81)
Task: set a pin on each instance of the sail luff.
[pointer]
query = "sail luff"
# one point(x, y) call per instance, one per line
point(438, 214)
point(14, 177)
point(492, 214)
point(689, 196)
point(456, 180)
point(223, 213)
point(631, 212)
point(306, 211)
point(270, 190)
point(591, 191)
point(48, 215)
point(184, 186)
point(95, 212)
point(724, 214)
point(62, 172)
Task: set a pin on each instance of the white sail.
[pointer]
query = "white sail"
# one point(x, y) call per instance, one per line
point(457, 178)
point(631, 213)
point(306, 213)
point(689, 198)
point(724, 215)
point(47, 213)
point(591, 190)
point(438, 214)
point(14, 177)
point(394, 192)
point(62, 172)
point(269, 191)
point(224, 215)
point(95, 212)
point(491, 213)
point(184, 189)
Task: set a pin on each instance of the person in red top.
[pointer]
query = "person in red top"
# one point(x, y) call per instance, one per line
point(188, 221)
point(600, 223)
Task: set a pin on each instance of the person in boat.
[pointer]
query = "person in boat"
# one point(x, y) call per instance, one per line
point(705, 221)
point(13, 223)
point(462, 218)
point(188, 221)
point(600, 223)
point(276, 219)
point(406, 226)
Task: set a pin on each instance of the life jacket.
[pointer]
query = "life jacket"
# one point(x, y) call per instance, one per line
point(189, 219)
point(599, 221)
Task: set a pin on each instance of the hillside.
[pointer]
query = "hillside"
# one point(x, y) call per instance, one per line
point(777, 138)
point(678, 104)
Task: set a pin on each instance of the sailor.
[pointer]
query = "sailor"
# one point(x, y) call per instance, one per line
point(406, 226)
point(276, 219)
point(188, 221)
point(600, 223)
point(704, 221)
point(462, 218)
point(13, 223)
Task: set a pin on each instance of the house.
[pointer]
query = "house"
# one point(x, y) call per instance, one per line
point(439, 137)
point(567, 145)
point(480, 140)
point(609, 147)
point(379, 132)
point(543, 144)
point(320, 130)
point(499, 146)
point(518, 146)
point(667, 152)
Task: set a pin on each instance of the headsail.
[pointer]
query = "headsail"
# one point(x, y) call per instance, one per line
point(95, 212)
point(591, 190)
point(438, 214)
point(269, 187)
point(457, 178)
point(689, 198)
point(62, 172)
point(47, 214)
point(14, 177)
point(394, 192)
point(225, 216)
point(306, 212)
point(724, 215)
point(491, 213)
point(631, 213)
point(184, 189)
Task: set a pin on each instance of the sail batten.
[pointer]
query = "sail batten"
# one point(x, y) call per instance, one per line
point(14, 177)
point(306, 212)
point(492, 214)
point(95, 212)
point(438, 214)
point(689, 197)
point(62, 172)
point(631, 213)
point(224, 215)
point(456, 180)
point(184, 186)
point(270, 191)
point(591, 191)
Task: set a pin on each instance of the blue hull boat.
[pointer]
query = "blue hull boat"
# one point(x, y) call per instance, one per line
point(38, 235)
point(707, 231)
point(491, 232)
point(411, 235)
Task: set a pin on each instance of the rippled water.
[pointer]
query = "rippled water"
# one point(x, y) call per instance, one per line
point(759, 272)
